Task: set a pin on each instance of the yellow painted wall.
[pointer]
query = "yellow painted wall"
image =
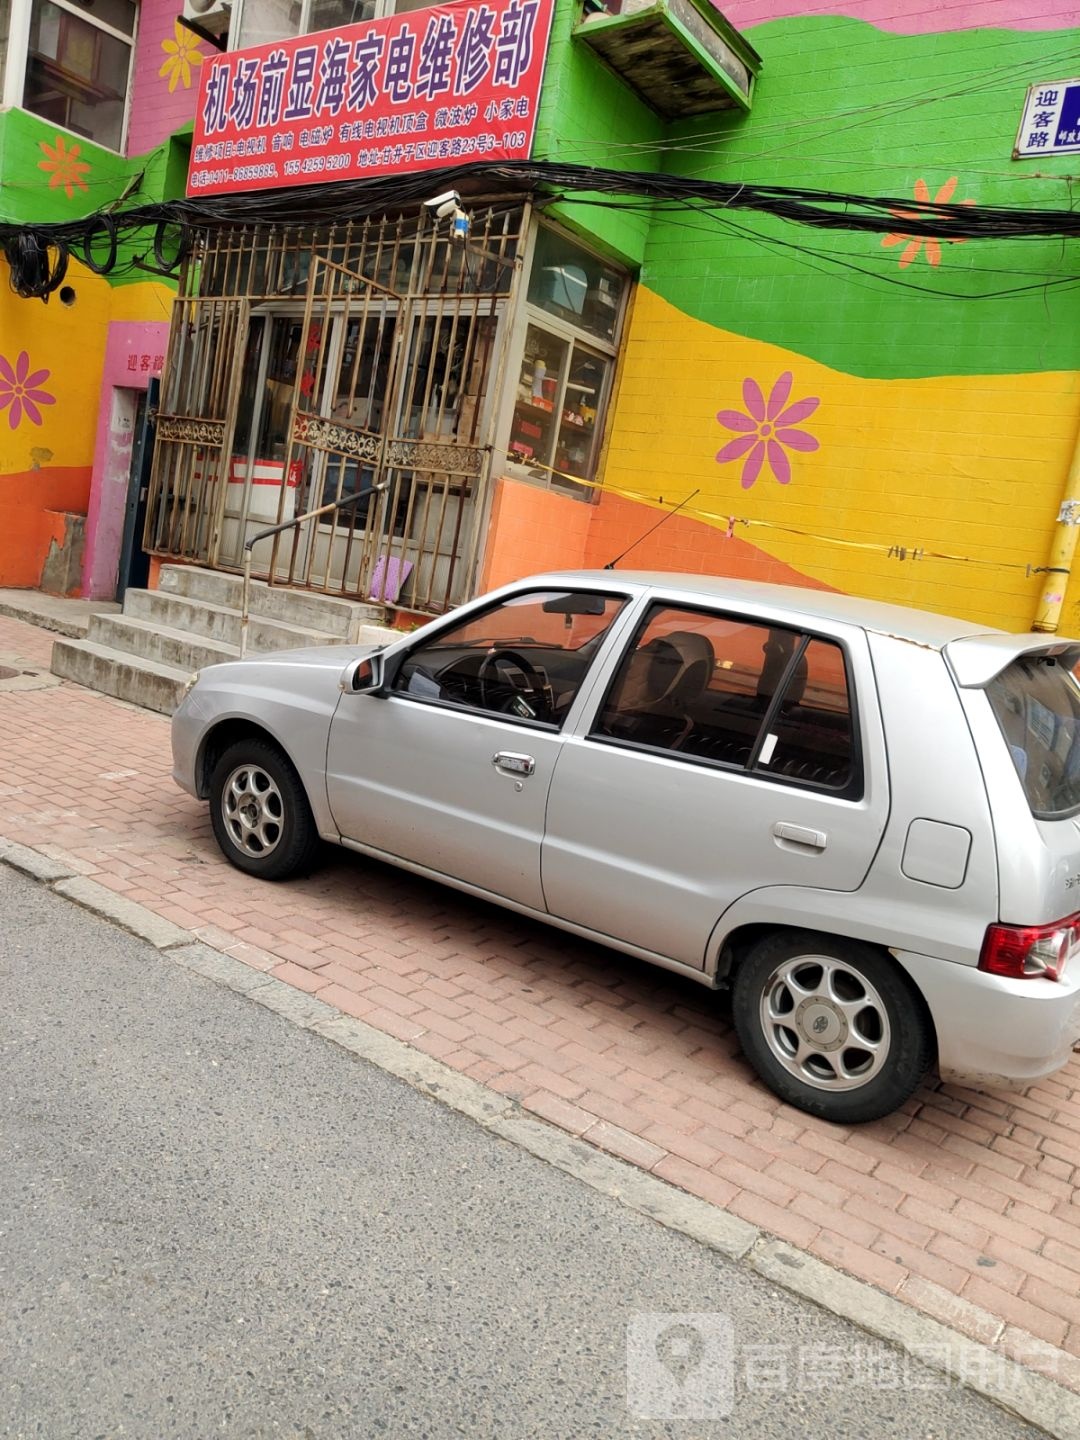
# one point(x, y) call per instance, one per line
point(48, 435)
point(965, 466)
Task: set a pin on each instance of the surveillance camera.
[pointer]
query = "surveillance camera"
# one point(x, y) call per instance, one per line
point(442, 204)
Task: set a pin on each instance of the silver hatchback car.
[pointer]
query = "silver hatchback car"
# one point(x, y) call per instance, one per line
point(862, 820)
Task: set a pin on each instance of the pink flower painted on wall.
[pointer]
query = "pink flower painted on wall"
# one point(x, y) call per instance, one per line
point(915, 243)
point(21, 391)
point(765, 431)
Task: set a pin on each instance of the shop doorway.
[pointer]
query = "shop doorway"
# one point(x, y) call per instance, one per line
point(356, 369)
point(134, 567)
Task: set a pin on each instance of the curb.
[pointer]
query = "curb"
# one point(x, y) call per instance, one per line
point(1032, 1397)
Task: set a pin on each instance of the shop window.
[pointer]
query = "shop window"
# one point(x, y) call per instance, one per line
point(261, 22)
point(78, 62)
point(5, 30)
point(566, 281)
point(574, 307)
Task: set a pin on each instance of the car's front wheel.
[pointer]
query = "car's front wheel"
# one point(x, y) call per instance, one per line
point(260, 813)
point(831, 1025)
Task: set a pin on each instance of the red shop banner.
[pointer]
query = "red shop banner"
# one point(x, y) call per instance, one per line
point(418, 91)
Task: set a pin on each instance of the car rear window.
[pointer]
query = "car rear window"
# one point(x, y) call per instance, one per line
point(1037, 704)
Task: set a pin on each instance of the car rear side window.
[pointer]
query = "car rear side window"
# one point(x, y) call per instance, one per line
point(732, 692)
point(1037, 704)
point(809, 736)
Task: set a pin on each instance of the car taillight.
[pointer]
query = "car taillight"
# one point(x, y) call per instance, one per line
point(1030, 952)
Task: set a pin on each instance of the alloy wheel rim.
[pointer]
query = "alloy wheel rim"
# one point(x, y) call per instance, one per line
point(825, 1023)
point(253, 811)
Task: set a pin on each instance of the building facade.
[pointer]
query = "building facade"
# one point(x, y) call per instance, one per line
point(92, 96)
point(888, 414)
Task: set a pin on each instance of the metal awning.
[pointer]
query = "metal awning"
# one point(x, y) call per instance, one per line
point(681, 56)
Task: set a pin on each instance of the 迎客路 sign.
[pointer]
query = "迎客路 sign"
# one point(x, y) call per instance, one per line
point(1051, 121)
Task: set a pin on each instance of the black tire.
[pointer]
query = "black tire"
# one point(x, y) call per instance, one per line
point(285, 841)
point(778, 979)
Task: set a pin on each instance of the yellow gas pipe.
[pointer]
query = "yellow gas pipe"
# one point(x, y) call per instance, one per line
point(1060, 561)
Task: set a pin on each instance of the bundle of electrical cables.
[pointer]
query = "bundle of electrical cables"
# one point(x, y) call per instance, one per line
point(37, 254)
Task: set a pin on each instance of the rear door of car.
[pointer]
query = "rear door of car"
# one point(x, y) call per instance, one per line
point(757, 760)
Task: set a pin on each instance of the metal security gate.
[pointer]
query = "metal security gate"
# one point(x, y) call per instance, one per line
point(194, 427)
point(358, 363)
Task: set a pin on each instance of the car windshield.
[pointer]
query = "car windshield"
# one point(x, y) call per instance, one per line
point(566, 620)
point(1037, 704)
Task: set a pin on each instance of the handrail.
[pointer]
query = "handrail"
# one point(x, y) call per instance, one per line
point(290, 525)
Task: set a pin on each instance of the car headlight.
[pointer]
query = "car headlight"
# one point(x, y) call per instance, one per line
point(189, 684)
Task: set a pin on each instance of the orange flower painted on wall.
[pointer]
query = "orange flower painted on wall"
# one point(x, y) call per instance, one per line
point(915, 243)
point(63, 166)
point(182, 54)
point(21, 392)
point(767, 430)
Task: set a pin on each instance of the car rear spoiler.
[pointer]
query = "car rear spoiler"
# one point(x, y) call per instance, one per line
point(975, 660)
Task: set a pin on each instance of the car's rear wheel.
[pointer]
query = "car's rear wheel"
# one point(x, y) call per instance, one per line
point(831, 1025)
point(260, 813)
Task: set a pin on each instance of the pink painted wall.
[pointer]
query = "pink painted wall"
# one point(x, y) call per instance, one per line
point(914, 17)
point(157, 110)
point(130, 355)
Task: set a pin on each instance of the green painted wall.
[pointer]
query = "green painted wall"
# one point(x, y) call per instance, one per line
point(842, 105)
point(589, 117)
point(49, 175)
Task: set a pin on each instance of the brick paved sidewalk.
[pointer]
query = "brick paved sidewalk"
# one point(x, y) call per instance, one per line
point(964, 1205)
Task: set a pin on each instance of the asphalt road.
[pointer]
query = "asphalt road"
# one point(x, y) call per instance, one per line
point(215, 1224)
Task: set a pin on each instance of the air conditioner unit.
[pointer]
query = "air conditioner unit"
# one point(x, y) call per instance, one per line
point(210, 15)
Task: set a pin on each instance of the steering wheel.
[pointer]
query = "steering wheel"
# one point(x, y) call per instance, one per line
point(496, 669)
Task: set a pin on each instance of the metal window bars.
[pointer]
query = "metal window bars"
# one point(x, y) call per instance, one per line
point(395, 335)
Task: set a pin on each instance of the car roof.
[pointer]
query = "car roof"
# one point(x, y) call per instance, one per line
point(921, 627)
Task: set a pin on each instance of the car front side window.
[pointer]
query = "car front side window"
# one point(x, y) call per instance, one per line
point(523, 658)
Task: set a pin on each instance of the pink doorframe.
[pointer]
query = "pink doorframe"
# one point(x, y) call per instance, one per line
point(133, 355)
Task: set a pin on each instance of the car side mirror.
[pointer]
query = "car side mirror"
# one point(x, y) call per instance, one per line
point(365, 676)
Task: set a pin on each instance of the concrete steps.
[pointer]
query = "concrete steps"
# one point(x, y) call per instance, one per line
point(146, 653)
point(128, 677)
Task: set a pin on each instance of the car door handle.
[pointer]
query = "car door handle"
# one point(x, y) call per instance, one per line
point(799, 835)
point(514, 763)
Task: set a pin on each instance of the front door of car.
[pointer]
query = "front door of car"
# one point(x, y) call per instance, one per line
point(724, 756)
point(450, 769)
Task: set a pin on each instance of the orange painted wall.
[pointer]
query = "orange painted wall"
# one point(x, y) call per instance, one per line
point(681, 543)
point(27, 529)
point(532, 530)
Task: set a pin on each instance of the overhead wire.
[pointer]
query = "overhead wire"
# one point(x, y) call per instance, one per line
point(1040, 280)
point(990, 80)
point(313, 206)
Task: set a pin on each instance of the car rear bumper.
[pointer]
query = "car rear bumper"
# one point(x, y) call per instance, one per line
point(995, 1032)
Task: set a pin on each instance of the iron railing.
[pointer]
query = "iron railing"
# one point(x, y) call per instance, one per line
point(293, 524)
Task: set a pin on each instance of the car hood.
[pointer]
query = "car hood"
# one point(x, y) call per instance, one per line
point(332, 657)
point(327, 659)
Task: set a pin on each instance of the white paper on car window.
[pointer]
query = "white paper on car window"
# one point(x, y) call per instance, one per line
point(767, 750)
